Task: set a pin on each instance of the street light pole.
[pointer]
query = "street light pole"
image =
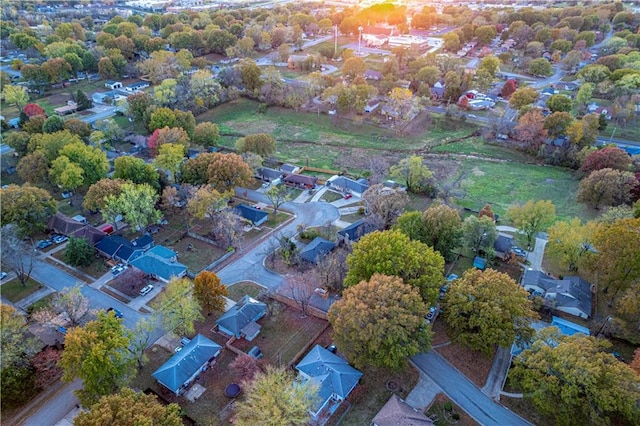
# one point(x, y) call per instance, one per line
point(359, 39)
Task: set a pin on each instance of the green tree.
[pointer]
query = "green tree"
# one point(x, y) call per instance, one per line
point(490, 64)
point(18, 141)
point(170, 157)
point(479, 234)
point(486, 34)
point(532, 217)
point(79, 252)
point(487, 308)
point(557, 123)
point(135, 170)
point(250, 75)
point(569, 242)
point(354, 67)
point(83, 101)
point(94, 199)
point(559, 103)
point(380, 322)
point(441, 228)
point(393, 253)
point(27, 207)
point(540, 67)
point(260, 143)
point(67, 175)
point(584, 94)
point(15, 95)
point(98, 354)
point(178, 307)
point(210, 292)
point(33, 168)
point(52, 143)
point(136, 203)
point(129, 407)
point(92, 160)
point(523, 97)
point(274, 397)
point(206, 134)
point(451, 42)
point(573, 377)
point(416, 176)
point(278, 195)
point(205, 89)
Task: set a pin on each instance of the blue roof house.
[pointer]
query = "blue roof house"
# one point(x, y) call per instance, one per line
point(316, 250)
point(240, 320)
point(356, 230)
point(256, 216)
point(181, 369)
point(333, 376)
point(160, 262)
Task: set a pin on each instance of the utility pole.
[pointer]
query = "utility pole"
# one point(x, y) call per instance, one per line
point(335, 51)
point(359, 39)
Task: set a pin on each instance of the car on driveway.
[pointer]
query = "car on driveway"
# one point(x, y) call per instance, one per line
point(59, 239)
point(519, 252)
point(43, 244)
point(3, 275)
point(118, 269)
point(146, 290)
point(431, 313)
point(347, 196)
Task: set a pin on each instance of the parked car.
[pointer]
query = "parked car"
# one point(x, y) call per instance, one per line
point(3, 275)
point(431, 313)
point(116, 312)
point(67, 194)
point(347, 196)
point(331, 348)
point(519, 252)
point(146, 290)
point(119, 268)
point(43, 244)
point(255, 352)
point(59, 239)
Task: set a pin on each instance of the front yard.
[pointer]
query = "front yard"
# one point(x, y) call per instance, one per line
point(14, 291)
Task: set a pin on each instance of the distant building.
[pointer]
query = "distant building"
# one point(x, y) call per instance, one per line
point(571, 295)
point(113, 85)
point(348, 186)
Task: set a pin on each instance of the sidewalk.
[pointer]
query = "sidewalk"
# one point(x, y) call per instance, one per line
point(422, 395)
point(34, 297)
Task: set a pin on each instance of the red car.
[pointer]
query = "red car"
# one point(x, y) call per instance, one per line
point(347, 196)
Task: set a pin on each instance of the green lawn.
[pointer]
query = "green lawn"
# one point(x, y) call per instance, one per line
point(14, 291)
point(503, 184)
point(240, 289)
point(330, 196)
point(476, 146)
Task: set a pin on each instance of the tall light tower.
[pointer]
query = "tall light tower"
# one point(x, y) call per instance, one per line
point(359, 38)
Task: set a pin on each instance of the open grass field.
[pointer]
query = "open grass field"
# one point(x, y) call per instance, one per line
point(476, 146)
point(14, 291)
point(503, 184)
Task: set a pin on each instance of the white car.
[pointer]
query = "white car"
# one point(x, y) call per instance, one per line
point(3, 275)
point(116, 270)
point(146, 290)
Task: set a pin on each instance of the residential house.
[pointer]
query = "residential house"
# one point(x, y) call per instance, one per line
point(333, 377)
point(134, 87)
point(70, 107)
point(144, 242)
point(181, 369)
point(403, 84)
point(371, 106)
point(396, 412)
point(255, 216)
point(566, 85)
point(301, 181)
point(161, 263)
point(356, 230)
point(481, 104)
point(113, 85)
point(437, 91)
point(348, 186)
point(316, 250)
point(63, 224)
point(117, 248)
point(565, 327)
point(240, 320)
point(390, 112)
point(571, 295)
point(502, 246)
point(289, 169)
point(372, 75)
point(268, 175)
point(91, 233)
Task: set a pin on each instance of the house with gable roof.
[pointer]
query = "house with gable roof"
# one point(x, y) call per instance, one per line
point(256, 216)
point(333, 376)
point(181, 369)
point(161, 263)
point(346, 185)
point(240, 319)
point(316, 250)
point(396, 412)
point(571, 295)
point(63, 224)
point(356, 230)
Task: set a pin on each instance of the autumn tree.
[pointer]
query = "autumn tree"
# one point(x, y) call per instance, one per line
point(556, 124)
point(79, 252)
point(226, 171)
point(416, 176)
point(94, 200)
point(606, 187)
point(166, 135)
point(250, 73)
point(129, 407)
point(210, 292)
point(385, 203)
point(487, 211)
point(15, 95)
point(69, 303)
point(170, 157)
point(530, 130)
point(509, 87)
point(552, 372)
point(485, 309)
point(33, 168)
point(532, 217)
point(98, 354)
point(523, 97)
point(138, 104)
point(569, 242)
point(178, 307)
point(354, 67)
point(393, 253)
point(559, 103)
point(260, 143)
point(479, 234)
point(274, 397)
point(606, 158)
point(278, 195)
point(207, 202)
point(206, 134)
point(380, 322)
point(26, 206)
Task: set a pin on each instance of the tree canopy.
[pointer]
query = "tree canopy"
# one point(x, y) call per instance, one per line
point(393, 253)
point(26, 206)
point(380, 322)
point(532, 217)
point(179, 307)
point(210, 291)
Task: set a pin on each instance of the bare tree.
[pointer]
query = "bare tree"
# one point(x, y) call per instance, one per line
point(227, 229)
point(332, 269)
point(17, 256)
point(387, 203)
point(246, 366)
point(69, 305)
point(141, 339)
point(378, 166)
point(301, 287)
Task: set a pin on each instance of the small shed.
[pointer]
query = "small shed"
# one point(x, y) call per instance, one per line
point(480, 263)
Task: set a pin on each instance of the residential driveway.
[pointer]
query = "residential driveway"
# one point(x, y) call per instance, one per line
point(464, 393)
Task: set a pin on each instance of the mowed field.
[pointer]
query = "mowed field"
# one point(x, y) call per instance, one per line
point(475, 173)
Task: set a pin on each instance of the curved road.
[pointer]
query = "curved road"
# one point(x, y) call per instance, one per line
point(464, 393)
point(250, 266)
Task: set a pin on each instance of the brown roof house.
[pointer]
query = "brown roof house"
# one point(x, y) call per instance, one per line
point(396, 412)
point(63, 224)
point(301, 181)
